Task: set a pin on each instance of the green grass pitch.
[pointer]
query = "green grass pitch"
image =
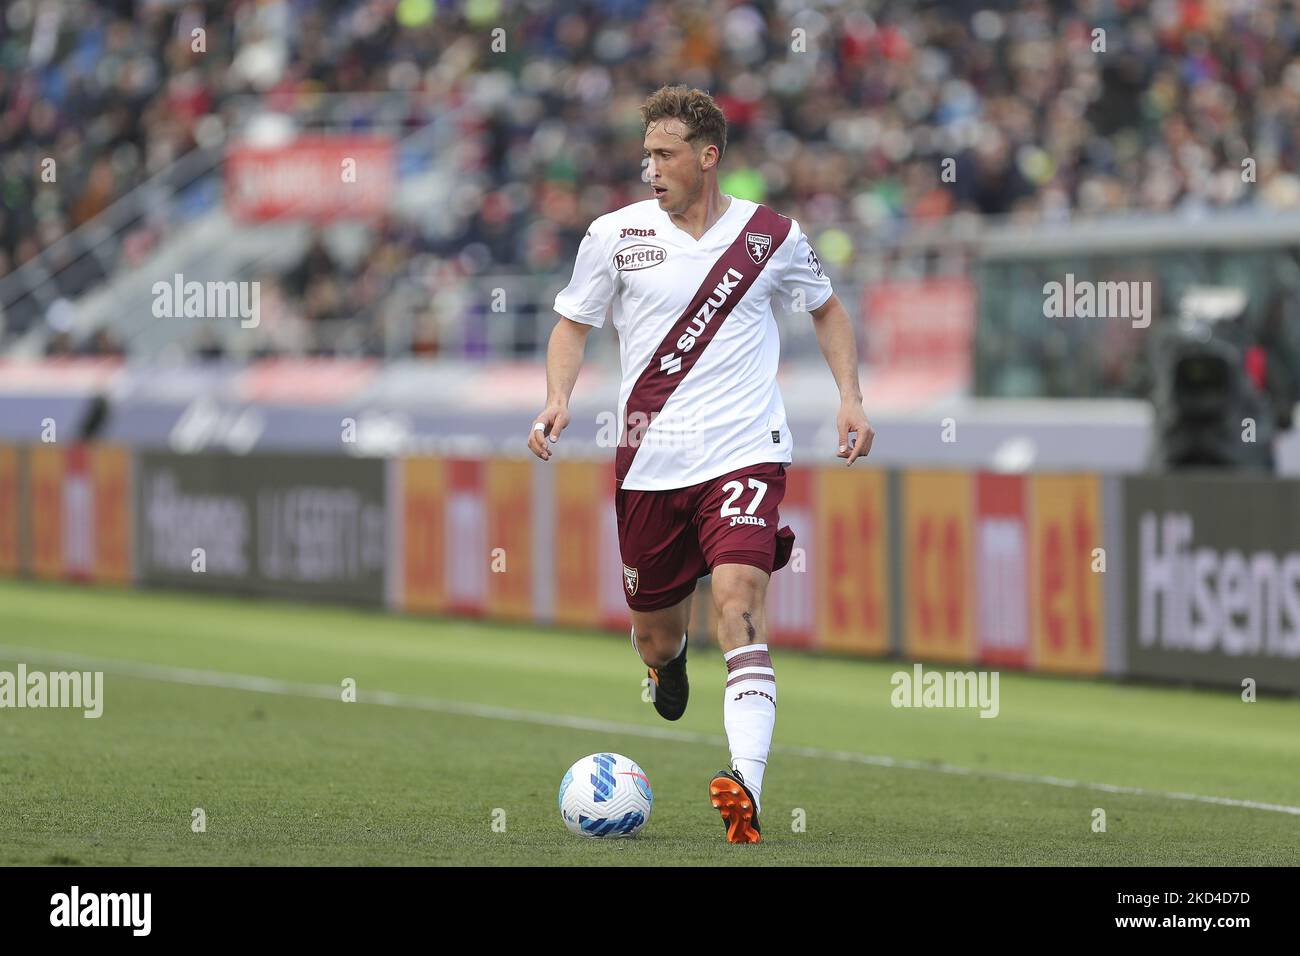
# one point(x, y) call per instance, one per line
point(481, 718)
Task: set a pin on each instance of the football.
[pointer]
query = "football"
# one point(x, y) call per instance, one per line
point(605, 795)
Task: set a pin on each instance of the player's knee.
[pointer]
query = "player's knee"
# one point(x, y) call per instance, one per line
point(657, 645)
point(737, 606)
point(736, 591)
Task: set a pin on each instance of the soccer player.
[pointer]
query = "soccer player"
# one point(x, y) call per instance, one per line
point(700, 468)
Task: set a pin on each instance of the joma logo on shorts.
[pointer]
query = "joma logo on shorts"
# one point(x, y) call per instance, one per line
point(748, 519)
point(751, 693)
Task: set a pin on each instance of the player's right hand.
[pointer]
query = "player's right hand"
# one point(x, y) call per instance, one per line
point(546, 430)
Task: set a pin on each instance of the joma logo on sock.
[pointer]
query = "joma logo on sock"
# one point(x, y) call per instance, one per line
point(750, 693)
point(102, 909)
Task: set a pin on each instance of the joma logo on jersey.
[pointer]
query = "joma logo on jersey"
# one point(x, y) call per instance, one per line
point(671, 363)
point(641, 256)
point(635, 232)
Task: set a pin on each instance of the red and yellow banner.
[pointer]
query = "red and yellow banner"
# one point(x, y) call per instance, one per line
point(936, 555)
point(852, 561)
point(110, 481)
point(46, 464)
point(445, 558)
point(1001, 553)
point(509, 497)
point(1066, 594)
point(10, 475)
point(992, 568)
point(580, 490)
point(466, 540)
point(424, 558)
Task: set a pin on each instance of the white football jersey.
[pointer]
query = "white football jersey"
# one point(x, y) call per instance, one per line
point(698, 341)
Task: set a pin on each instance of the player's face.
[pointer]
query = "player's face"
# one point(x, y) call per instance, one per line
point(673, 168)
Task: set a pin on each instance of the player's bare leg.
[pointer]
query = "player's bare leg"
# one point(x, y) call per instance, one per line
point(749, 701)
point(660, 638)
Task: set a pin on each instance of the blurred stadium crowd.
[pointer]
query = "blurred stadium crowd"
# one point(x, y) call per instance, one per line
point(841, 115)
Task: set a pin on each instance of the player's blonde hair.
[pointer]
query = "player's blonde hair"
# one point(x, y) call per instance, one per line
point(695, 108)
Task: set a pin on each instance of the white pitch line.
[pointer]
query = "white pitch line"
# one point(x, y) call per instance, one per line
point(271, 685)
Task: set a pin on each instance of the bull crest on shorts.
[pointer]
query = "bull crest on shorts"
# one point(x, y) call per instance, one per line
point(758, 245)
point(630, 580)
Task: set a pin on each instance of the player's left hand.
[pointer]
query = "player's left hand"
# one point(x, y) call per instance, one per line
point(853, 419)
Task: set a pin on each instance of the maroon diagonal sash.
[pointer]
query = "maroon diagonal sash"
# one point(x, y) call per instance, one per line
point(726, 284)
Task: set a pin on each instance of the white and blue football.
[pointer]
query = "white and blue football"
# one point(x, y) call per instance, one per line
point(605, 795)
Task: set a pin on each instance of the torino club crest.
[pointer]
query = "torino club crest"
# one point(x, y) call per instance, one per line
point(630, 580)
point(759, 245)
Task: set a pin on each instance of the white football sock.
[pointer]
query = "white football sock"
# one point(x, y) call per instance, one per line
point(749, 712)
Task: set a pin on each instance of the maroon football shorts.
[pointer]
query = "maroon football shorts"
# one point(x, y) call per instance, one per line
point(670, 539)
